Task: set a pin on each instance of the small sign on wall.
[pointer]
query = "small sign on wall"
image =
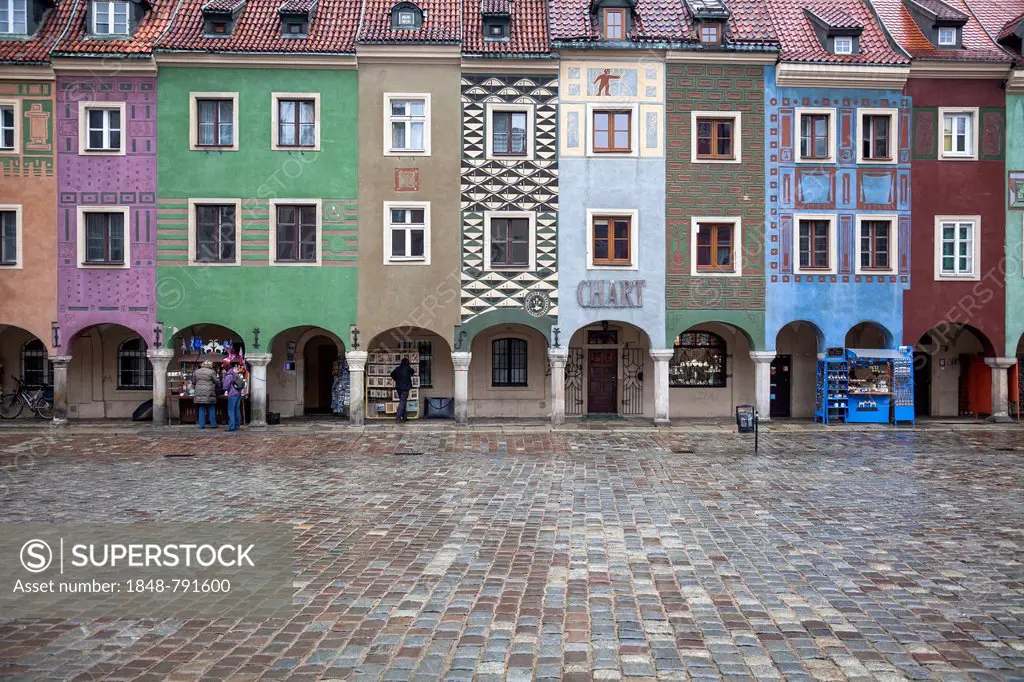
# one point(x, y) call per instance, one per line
point(407, 179)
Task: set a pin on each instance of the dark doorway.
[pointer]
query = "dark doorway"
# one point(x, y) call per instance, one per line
point(602, 381)
point(319, 355)
point(781, 391)
point(922, 383)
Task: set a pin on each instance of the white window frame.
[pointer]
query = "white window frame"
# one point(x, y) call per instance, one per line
point(272, 242)
point(976, 243)
point(634, 132)
point(798, 115)
point(275, 116)
point(83, 128)
point(833, 244)
point(516, 108)
point(737, 129)
point(80, 229)
point(531, 217)
point(388, 143)
point(634, 240)
point(737, 244)
point(894, 135)
point(10, 18)
point(938, 36)
point(972, 138)
point(894, 244)
point(194, 204)
point(847, 40)
point(19, 230)
point(193, 121)
point(388, 206)
point(108, 6)
point(15, 104)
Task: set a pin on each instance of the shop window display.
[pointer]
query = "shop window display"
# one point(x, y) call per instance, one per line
point(698, 361)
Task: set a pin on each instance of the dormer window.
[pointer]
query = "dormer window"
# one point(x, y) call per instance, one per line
point(940, 21)
point(710, 33)
point(843, 45)
point(948, 36)
point(495, 29)
point(219, 28)
point(219, 17)
point(110, 18)
point(14, 16)
point(613, 23)
point(838, 32)
point(406, 16)
point(295, 28)
point(296, 17)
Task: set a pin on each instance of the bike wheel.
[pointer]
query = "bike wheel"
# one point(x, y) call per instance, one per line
point(44, 409)
point(10, 406)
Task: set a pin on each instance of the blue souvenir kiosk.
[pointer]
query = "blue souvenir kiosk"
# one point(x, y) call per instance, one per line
point(866, 386)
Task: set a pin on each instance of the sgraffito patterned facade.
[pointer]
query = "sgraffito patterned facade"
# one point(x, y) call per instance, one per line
point(35, 154)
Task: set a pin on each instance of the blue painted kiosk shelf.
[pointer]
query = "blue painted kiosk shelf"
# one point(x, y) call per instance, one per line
point(866, 386)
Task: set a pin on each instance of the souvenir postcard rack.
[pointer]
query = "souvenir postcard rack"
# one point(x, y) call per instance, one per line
point(381, 396)
point(181, 388)
point(832, 385)
point(873, 386)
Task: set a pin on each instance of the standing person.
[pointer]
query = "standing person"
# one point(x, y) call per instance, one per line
point(205, 395)
point(403, 375)
point(234, 385)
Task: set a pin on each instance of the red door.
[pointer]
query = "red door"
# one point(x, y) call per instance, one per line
point(602, 384)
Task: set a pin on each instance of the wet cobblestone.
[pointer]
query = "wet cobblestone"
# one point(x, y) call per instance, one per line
point(604, 555)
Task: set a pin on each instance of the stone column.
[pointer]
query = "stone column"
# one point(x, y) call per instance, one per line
point(661, 356)
point(461, 363)
point(558, 357)
point(60, 388)
point(160, 358)
point(763, 383)
point(258, 387)
point(356, 360)
point(1000, 389)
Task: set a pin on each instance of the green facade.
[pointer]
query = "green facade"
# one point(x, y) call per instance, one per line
point(1014, 269)
point(257, 293)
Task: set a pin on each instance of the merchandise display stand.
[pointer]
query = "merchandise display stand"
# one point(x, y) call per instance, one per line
point(381, 396)
point(866, 386)
point(832, 385)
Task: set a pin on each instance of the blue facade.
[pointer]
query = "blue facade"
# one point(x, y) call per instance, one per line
point(844, 190)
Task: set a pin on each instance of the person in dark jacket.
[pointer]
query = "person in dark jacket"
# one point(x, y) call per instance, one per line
point(233, 388)
point(403, 375)
point(205, 395)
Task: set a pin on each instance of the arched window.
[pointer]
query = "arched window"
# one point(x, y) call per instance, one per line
point(406, 15)
point(134, 371)
point(698, 362)
point(508, 362)
point(36, 368)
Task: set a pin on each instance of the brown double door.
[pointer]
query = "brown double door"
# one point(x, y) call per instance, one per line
point(602, 381)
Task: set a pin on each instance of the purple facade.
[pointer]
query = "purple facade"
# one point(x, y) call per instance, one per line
point(108, 294)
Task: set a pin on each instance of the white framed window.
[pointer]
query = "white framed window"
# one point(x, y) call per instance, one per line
point(214, 232)
point(815, 135)
point(716, 137)
point(842, 45)
point(947, 36)
point(10, 125)
point(10, 237)
point(295, 124)
point(104, 237)
point(510, 132)
point(716, 246)
point(613, 130)
point(510, 240)
point(101, 128)
point(959, 134)
point(879, 132)
point(613, 239)
point(877, 244)
point(957, 247)
point(213, 121)
point(406, 233)
point(110, 18)
point(815, 247)
point(14, 16)
point(296, 232)
point(406, 124)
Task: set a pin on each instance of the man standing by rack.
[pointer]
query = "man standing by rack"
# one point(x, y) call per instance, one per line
point(402, 375)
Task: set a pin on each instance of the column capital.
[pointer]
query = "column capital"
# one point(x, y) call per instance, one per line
point(762, 356)
point(258, 359)
point(558, 356)
point(60, 360)
point(356, 360)
point(662, 354)
point(460, 360)
point(1000, 363)
point(160, 355)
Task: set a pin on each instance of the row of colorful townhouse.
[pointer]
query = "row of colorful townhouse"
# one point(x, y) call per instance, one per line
point(658, 209)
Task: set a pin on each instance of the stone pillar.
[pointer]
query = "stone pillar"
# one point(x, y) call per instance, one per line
point(160, 358)
point(763, 383)
point(60, 388)
point(258, 387)
point(661, 356)
point(357, 383)
point(1000, 389)
point(461, 363)
point(558, 357)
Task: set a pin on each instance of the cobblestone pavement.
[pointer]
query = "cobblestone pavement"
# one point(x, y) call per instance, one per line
point(592, 555)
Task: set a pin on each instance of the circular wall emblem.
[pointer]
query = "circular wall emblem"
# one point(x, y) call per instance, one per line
point(537, 303)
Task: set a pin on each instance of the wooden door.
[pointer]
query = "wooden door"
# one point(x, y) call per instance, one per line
point(602, 381)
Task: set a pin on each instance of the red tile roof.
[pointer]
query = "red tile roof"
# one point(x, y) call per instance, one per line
point(76, 40)
point(999, 18)
point(222, 5)
point(940, 9)
point(36, 50)
point(528, 27)
point(258, 29)
point(801, 44)
point(900, 24)
point(835, 17)
point(442, 23)
point(495, 7)
point(296, 6)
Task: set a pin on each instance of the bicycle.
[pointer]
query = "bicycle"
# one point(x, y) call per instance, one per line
point(38, 399)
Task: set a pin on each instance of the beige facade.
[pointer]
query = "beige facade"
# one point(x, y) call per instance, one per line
point(488, 400)
point(739, 388)
point(93, 390)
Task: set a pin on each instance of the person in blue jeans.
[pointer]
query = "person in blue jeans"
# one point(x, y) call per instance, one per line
point(205, 395)
point(234, 385)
